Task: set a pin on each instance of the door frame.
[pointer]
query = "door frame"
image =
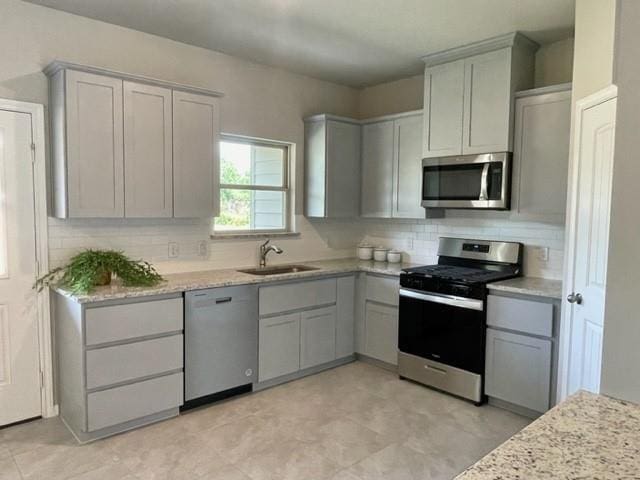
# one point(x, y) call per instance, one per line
point(36, 111)
point(564, 350)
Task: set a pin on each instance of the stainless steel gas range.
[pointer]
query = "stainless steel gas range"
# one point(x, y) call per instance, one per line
point(441, 339)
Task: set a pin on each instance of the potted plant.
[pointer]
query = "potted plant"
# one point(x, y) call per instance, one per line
point(92, 268)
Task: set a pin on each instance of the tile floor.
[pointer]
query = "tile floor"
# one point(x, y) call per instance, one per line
point(355, 422)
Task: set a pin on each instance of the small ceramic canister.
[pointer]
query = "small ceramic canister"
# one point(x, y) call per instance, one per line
point(380, 254)
point(394, 256)
point(365, 252)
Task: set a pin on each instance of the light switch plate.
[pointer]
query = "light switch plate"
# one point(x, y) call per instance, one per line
point(543, 254)
point(202, 248)
point(174, 250)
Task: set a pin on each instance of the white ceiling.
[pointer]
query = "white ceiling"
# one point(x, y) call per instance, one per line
point(353, 42)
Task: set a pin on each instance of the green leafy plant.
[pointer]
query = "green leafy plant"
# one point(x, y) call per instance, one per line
point(91, 268)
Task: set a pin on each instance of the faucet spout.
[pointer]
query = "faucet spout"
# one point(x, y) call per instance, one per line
point(265, 248)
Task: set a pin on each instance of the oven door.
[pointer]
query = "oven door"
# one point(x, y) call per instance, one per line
point(443, 328)
point(472, 181)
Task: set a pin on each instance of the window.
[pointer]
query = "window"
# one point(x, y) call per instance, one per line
point(254, 186)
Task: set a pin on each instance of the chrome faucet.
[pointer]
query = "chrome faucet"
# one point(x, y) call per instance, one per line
point(264, 250)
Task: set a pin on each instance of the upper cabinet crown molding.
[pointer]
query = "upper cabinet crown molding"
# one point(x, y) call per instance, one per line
point(484, 46)
point(58, 65)
point(533, 92)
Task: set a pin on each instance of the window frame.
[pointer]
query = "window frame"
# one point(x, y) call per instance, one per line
point(285, 188)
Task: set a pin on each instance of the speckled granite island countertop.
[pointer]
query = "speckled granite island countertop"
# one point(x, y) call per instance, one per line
point(586, 437)
point(182, 282)
point(537, 287)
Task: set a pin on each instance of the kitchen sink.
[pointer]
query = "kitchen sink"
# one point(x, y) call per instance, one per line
point(278, 270)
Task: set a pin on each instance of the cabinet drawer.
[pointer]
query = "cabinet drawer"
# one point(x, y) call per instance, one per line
point(383, 290)
point(133, 320)
point(129, 402)
point(283, 298)
point(535, 318)
point(120, 363)
point(518, 369)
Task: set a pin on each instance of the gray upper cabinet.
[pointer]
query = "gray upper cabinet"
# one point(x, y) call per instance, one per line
point(130, 146)
point(468, 100)
point(541, 153)
point(377, 169)
point(94, 160)
point(332, 167)
point(196, 128)
point(407, 168)
point(392, 167)
point(443, 108)
point(148, 140)
point(487, 103)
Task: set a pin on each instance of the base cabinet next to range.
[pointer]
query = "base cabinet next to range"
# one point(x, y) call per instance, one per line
point(521, 352)
point(120, 364)
point(377, 318)
point(303, 325)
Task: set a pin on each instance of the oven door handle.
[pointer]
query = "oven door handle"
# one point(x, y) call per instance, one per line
point(452, 300)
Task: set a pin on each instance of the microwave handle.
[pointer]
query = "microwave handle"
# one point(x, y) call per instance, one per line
point(484, 184)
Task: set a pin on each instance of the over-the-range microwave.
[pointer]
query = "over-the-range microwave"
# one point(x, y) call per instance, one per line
point(468, 181)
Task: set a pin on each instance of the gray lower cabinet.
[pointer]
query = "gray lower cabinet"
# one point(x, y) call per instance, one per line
point(317, 337)
point(120, 365)
point(521, 348)
point(518, 369)
point(279, 346)
point(377, 318)
point(304, 324)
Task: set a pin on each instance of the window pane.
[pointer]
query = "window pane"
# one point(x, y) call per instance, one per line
point(244, 164)
point(251, 210)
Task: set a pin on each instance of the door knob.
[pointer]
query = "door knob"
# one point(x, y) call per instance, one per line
point(574, 298)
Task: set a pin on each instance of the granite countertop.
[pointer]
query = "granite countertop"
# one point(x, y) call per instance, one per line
point(537, 287)
point(181, 282)
point(587, 436)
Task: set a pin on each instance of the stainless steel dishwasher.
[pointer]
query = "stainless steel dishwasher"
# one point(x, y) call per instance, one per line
point(220, 343)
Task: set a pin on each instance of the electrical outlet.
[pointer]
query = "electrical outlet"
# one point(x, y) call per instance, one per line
point(174, 250)
point(543, 254)
point(202, 248)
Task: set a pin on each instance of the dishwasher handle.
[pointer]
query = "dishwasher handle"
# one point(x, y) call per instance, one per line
point(223, 300)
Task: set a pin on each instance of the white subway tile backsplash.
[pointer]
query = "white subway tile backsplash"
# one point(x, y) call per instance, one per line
point(319, 239)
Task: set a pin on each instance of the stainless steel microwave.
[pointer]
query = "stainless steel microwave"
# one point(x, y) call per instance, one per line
point(469, 181)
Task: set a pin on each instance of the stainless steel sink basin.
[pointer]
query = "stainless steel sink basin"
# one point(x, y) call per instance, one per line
point(278, 270)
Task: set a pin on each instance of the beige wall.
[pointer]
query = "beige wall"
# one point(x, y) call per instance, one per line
point(621, 355)
point(554, 63)
point(593, 50)
point(391, 97)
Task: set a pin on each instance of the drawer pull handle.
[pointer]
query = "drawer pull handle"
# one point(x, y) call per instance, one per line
point(439, 370)
point(223, 300)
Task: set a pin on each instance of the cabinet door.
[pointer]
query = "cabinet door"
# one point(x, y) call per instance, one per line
point(148, 170)
point(279, 346)
point(345, 317)
point(95, 166)
point(343, 169)
point(317, 337)
point(541, 155)
point(518, 369)
point(381, 332)
point(196, 128)
point(407, 168)
point(443, 109)
point(377, 169)
point(487, 103)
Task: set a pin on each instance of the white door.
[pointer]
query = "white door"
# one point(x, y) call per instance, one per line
point(589, 240)
point(19, 349)
point(377, 169)
point(407, 168)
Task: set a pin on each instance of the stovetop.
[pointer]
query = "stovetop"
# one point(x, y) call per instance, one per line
point(460, 274)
